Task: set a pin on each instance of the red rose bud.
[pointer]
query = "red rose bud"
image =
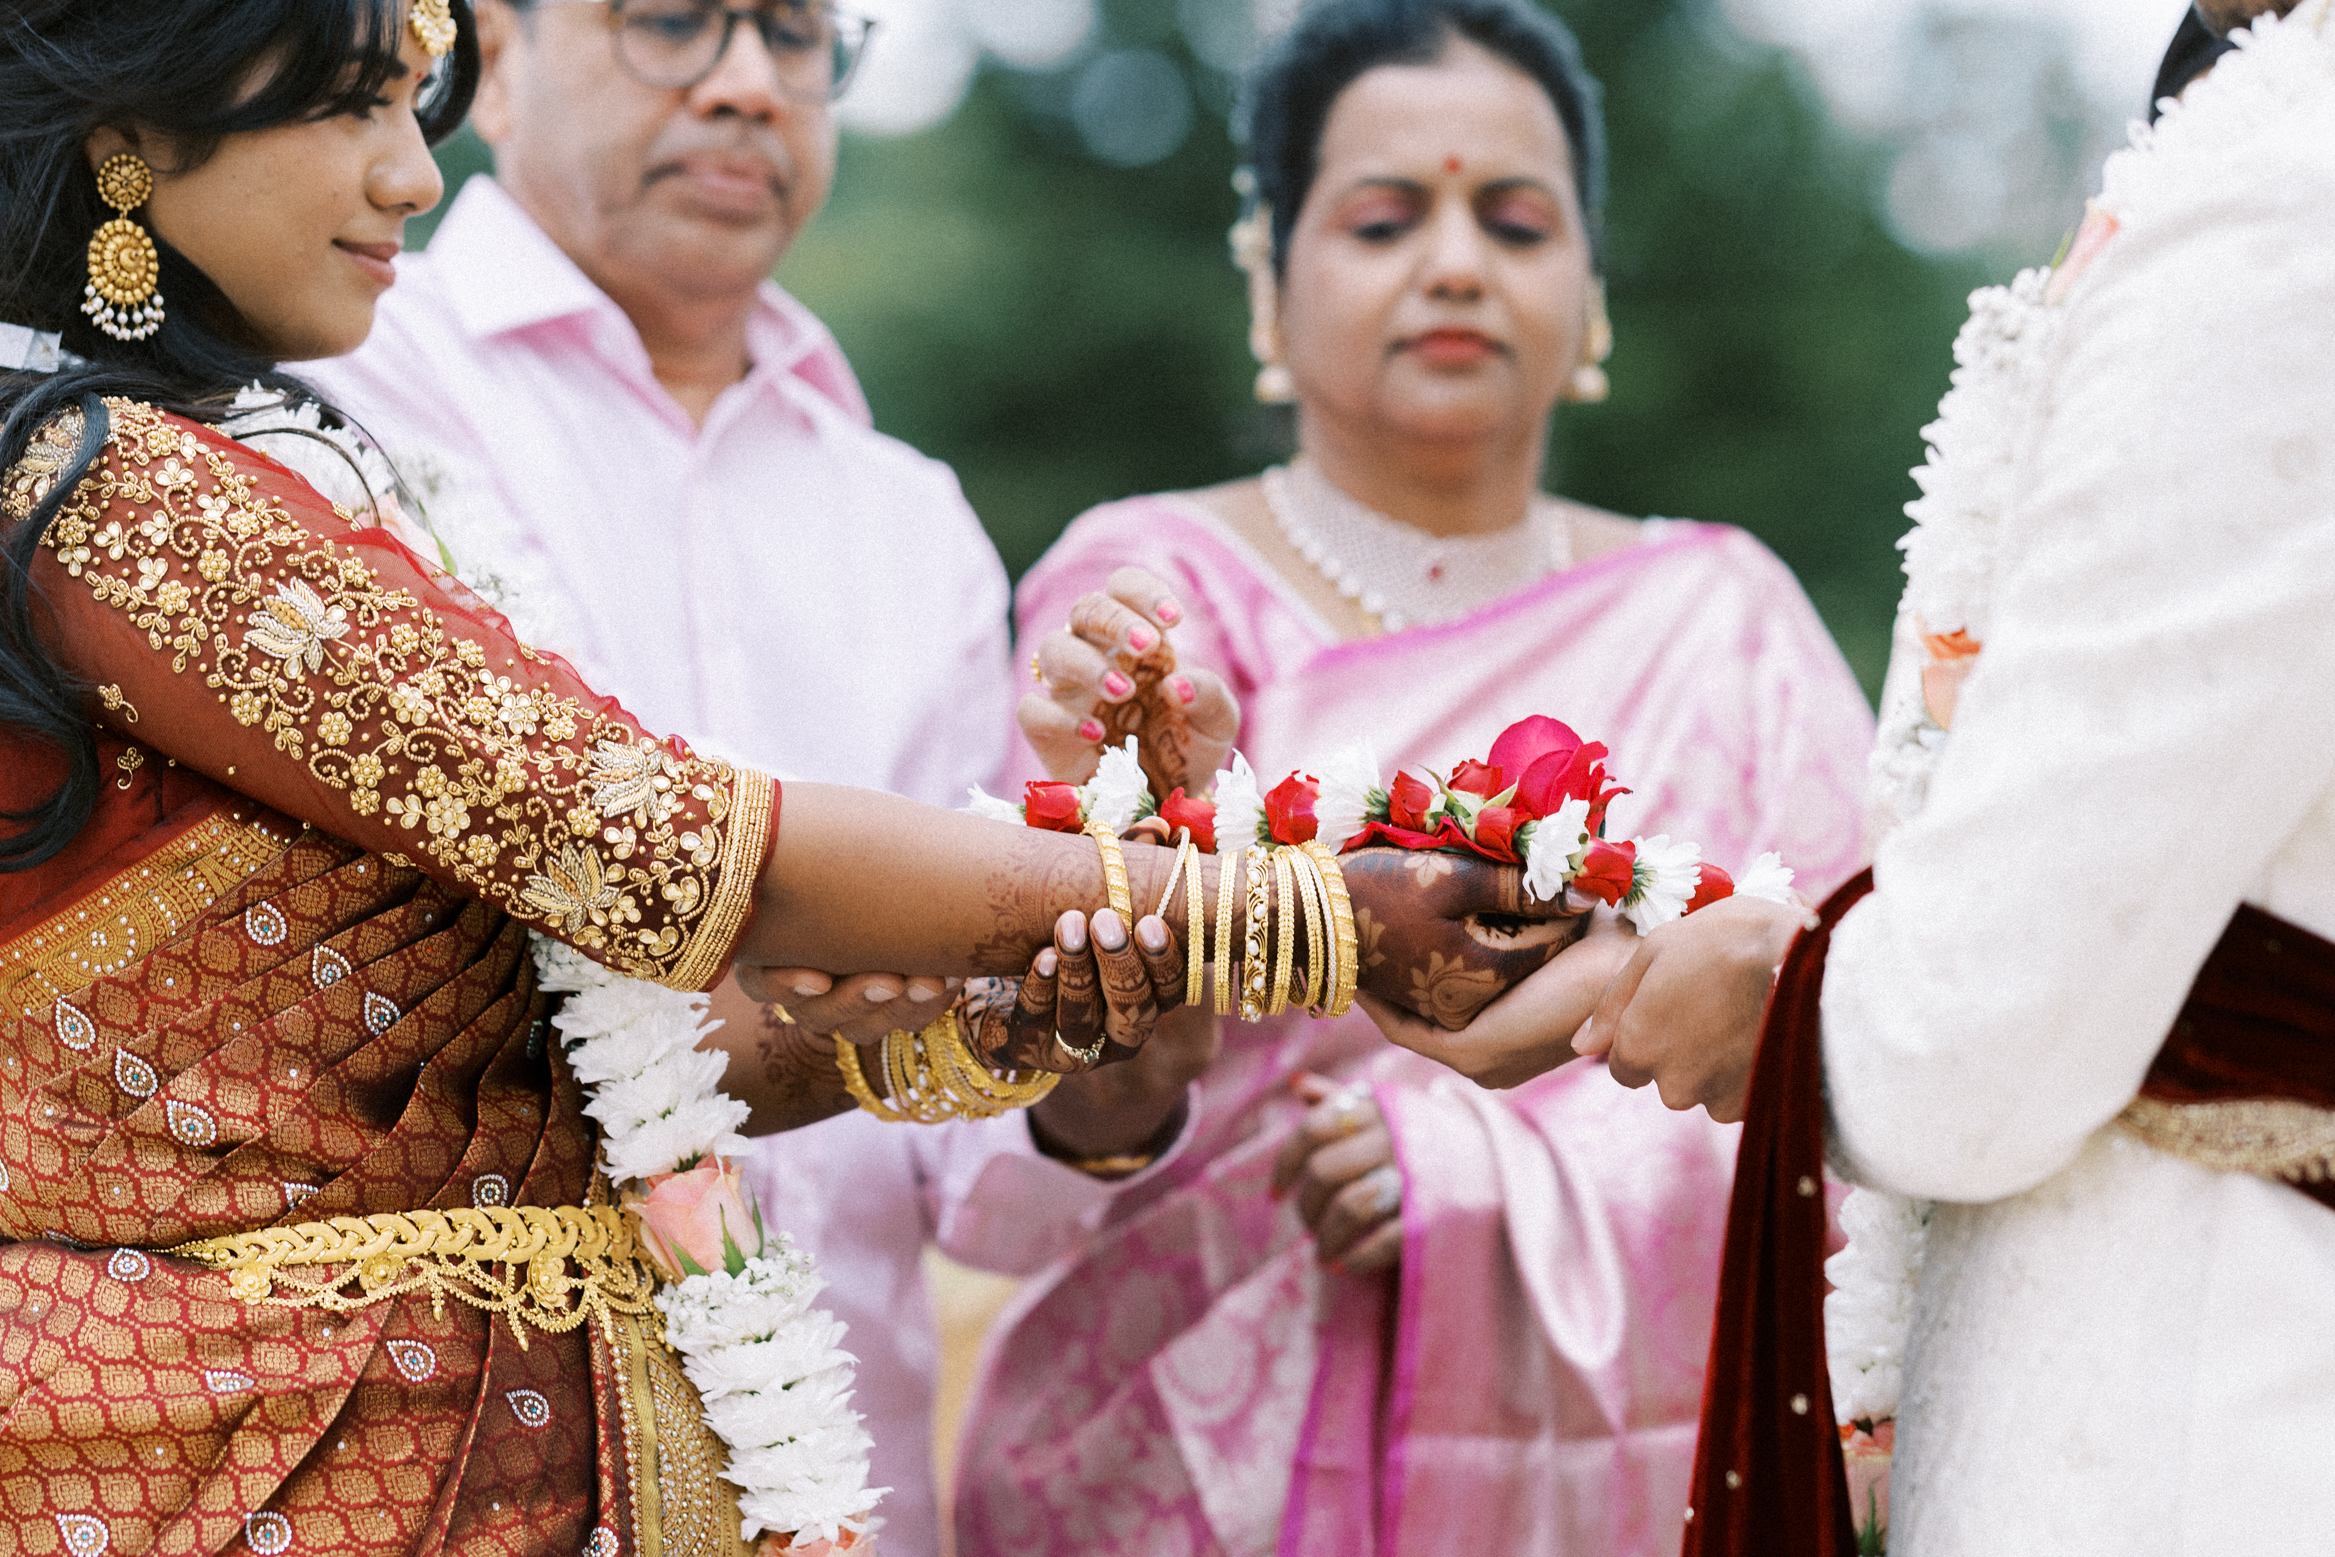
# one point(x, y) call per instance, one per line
point(1496, 831)
point(1407, 800)
point(1052, 807)
point(1607, 871)
point(1180, 812)
point(1289, 809)
point(1716, 885)
point(1477, 778)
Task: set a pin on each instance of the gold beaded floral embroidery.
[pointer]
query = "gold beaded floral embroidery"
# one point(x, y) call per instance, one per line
point(563, 815)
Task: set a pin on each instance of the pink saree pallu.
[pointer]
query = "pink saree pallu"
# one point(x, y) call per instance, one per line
point(1189, 1379)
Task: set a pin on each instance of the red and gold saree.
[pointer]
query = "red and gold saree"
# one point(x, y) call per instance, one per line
point(282, 978)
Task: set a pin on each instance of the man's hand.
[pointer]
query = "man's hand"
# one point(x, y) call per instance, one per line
point(1530, 1030)
point(1111, 673)
point(1685, 1013)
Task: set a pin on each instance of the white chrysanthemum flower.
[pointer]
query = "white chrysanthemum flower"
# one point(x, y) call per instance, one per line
point(560, 968)
point(654, 1091)
point(777, 1389)
point(1115, 795)
point(706, 1128)
point(1767, 877)
point(982, 803)
point(1663, 883)
point(1869, 1312)
point(1553, 850)
point(1342, 807)
point(1240, 806)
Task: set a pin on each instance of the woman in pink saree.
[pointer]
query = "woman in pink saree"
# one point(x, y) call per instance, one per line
point(1480, 1323)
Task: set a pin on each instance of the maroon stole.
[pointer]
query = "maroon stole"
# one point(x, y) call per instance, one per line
point(2259, 1023)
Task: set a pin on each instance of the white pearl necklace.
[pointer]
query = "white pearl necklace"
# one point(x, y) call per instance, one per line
point(1404, 576)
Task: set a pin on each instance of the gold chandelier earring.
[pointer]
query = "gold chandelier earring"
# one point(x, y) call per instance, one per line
point(1590, 385)
point(1252, 251)
point(124, 268)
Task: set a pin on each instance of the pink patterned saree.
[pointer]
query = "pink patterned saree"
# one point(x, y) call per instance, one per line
point(1188, 1379)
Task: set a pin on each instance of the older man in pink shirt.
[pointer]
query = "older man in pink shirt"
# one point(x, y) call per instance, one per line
point(657, 448)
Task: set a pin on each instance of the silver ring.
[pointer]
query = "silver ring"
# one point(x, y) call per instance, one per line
point(1345, 1107)
point(1386, 1190)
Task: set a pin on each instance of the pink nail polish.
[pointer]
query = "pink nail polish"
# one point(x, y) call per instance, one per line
point(1169, 612)
point(1116, 685)
point(1090, 730)
point(1140, 639)
point(1183, 689)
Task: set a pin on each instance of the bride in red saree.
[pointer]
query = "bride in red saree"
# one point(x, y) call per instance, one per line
point(284, 803)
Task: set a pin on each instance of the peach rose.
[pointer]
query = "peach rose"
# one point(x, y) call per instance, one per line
point(1867, 1457)
point(698, 1221)
point(785, 1546)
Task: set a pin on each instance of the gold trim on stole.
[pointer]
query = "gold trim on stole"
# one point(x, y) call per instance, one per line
point(141, 907)
point(2271, 1138)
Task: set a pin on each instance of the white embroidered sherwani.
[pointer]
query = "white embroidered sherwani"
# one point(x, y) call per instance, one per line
point(2116, 1351)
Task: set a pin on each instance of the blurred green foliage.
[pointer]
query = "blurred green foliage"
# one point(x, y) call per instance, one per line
point(1064, 332)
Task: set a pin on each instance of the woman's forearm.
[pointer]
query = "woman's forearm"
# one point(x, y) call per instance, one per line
point(860, 881)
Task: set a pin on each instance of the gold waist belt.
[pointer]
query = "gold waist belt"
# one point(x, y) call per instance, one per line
point(552, 1267)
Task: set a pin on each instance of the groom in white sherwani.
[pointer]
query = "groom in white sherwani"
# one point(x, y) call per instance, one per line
point(2079, 1026)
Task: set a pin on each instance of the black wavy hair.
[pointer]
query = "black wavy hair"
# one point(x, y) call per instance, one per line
point(1292, 89)
point(194, 71)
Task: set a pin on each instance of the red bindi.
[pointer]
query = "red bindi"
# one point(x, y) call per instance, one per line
point(1451, 164)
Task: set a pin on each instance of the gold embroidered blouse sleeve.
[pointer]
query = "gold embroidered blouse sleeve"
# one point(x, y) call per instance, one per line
point(322, 668)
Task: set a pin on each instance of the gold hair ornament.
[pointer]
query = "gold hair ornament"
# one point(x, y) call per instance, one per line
point(124, 268)
point(433, 25)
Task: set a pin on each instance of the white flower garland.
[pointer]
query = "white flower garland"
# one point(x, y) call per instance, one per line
point(770, 1368)
point(1953, 556)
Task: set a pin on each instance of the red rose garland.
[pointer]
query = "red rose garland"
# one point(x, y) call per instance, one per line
point(1538, 800)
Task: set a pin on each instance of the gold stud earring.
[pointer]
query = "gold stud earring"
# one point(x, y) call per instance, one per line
point(123, 265)
point(1590, 385)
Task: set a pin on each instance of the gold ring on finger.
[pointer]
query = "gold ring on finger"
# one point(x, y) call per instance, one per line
point(1037, 671)
point(1085, 1056)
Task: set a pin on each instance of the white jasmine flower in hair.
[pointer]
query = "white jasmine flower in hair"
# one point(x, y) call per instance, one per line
point(1240, 806)
point(981, 802)
point(1115, 795)
point(1767, 877)
point(1664, 882)
point(1555, 842)
point(1343, 804)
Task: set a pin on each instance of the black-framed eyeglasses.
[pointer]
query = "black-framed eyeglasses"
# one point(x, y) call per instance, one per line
point(675, 44)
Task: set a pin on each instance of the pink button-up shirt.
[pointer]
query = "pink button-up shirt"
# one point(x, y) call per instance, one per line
point(784, 585)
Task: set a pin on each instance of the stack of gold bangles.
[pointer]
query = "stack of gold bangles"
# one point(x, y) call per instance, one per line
point(1296, 905)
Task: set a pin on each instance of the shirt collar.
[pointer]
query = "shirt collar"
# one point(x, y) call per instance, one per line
point(502, 273)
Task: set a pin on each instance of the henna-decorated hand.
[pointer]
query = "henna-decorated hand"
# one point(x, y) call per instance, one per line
point(1443, 935)
point(1535, 1027)
point(1112, 673)
point(1084, 990)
